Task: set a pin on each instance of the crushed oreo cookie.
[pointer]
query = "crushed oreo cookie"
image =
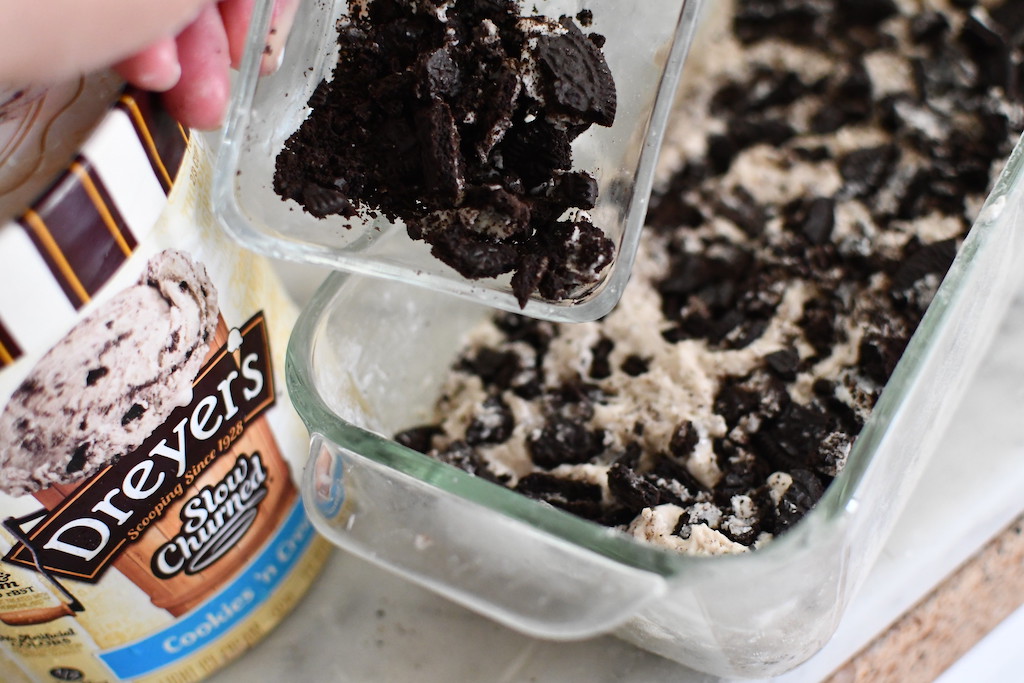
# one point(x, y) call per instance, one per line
point(778, 284)
point(457, 118)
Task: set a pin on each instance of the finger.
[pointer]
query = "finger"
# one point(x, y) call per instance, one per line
point(45, 41)
point(280, 26)
point(236, 15)
point(201, 95)
point(156, 68)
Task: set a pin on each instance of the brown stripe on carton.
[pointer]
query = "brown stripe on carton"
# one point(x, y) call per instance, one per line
point(9, 349)
point(47, 246)
point(163, 138)
point(105, 205)
point(79, 231)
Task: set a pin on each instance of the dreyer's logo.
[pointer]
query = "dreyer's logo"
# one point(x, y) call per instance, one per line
point(86, 532)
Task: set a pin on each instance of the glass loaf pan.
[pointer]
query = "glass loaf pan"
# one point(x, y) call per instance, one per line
point(649, 44)
point(367, 359)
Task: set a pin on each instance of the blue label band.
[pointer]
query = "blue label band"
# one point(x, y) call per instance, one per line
point(223, 611)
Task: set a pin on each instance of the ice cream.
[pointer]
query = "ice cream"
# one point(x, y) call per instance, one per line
point(827, 158)
point(103, 389)
point(457, 119)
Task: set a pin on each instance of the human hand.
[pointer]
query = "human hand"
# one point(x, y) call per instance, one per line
point(183, 48)
point(192, 68)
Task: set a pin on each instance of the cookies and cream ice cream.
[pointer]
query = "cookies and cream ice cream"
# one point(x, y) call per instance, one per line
point(104, 388)
point(827, 159)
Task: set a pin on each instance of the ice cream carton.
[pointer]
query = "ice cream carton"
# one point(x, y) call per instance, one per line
point(151, 528)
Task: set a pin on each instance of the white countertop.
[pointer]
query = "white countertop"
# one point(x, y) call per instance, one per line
point(361, 624)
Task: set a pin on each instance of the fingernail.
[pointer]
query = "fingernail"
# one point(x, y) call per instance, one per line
point(273, 53)
point(162, 77)
point(280, 27)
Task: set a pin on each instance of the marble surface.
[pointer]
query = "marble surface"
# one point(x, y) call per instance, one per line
point(362, 624)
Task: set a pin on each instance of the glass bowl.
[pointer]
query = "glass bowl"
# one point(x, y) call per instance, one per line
point(647, 44)
point(367, 359)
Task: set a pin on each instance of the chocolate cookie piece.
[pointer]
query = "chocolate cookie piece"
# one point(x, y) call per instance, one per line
point(419, 438)
point(864, 170)
point(473, 256)
point(529, 274)
point(878, 355)
point(755, 20)
point(577, 81)
point(630, 489)
point(988, 47)
point(677, 483)
point(494, 113)
point(790, 439)
point(741, 208)
point(440, 143)
point(493, 423)
point(743, 472)
point(684, 439)
point(814, 218)
point(928, 259)
point(864, 12)
point(495, 368)
point(600, 368)
point(563, 441)
point(580, 498)
point(767, 88)
point(578, 252)
point(535, 151)
point(849, 101)
point(784, 363)
point(575, 189)
point(465, 457)
point(929, 27)
point(800, 496)
point(635, 365)
point(428, 119)
point(439, 76)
